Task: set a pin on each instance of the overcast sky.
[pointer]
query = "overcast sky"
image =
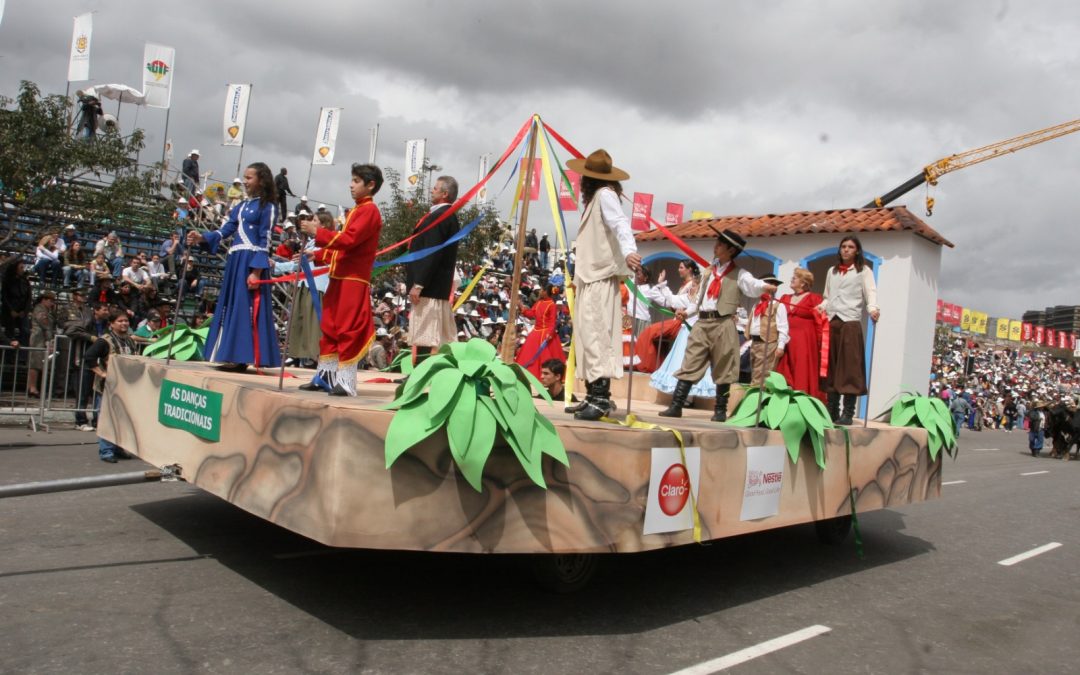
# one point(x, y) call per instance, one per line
point(731, 107)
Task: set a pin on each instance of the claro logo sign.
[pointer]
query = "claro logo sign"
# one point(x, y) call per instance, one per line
point(674, 489)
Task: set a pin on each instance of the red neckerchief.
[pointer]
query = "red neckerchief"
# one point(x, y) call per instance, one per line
point(842, 268)
point(718, 280)
point(760, 308)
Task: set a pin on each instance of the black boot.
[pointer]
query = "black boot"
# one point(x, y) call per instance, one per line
point(598, 402)
point(678, 399)
point(580, 405)
point(834, 406)
point(720, 410)
point(849, 410)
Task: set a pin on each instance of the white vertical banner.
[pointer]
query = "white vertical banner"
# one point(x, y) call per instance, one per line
point(373, 143)
point(326, 136)
point(482, 193)
point(158, 74)
point(671, 483)
point(414, 160)
point(764, 480)
point(236, 109)
point(1, 11)
point(79, 63)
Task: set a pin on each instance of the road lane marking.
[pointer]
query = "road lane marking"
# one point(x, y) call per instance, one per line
point(985, 450)
point(1009, 562)
point(1033, 473)
point(953, 482)
point(750, 653)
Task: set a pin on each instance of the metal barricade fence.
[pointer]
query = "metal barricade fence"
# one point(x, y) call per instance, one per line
point(71, 384)
point(15, 398)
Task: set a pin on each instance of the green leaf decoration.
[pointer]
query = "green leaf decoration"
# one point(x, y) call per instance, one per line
point(931, 414)
point(465, 388)
point(409, 426)
point(796, 414)
point(184, 343)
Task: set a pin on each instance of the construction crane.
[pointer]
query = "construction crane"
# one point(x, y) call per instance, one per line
point(932, 172)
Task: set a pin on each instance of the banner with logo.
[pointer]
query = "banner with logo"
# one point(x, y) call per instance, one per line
point(1063, 340)
point(568, 196)
point(965, 319)
point(79, 62)
point(1002, 332)
point(414, 160)
point(326, 136)
point(192, 409)
point(1050, 337)
point(938, 315)
point(701, 215)
point(482, 195)
point(1027, 332)
point(764, 480)
point(670, 482)
point(955, 314)
point(236, 108)
point(639, 221)
point(673, 214)
point(1014, 330)
point(158, 66)
point(1040, 335)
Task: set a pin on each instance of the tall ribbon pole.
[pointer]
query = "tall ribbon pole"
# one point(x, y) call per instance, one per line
point(509, 343)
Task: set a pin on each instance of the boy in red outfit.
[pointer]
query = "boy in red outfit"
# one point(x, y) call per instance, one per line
point(347, 327)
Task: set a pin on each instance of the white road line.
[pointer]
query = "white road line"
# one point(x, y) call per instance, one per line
point(985, 450)
point(1033, 473)
point(750, 653)
point(953, 482)
point(1009, 562)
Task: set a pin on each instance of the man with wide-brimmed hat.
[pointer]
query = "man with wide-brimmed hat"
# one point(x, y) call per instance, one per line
point(606, 254)
point(714, 340)
point(767, 330)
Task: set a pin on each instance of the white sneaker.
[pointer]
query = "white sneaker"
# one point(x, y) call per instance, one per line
point(85, 427)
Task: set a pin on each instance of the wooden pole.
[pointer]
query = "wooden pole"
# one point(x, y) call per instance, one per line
point(509, 343)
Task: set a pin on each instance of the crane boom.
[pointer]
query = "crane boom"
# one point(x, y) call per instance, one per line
point(932, 172)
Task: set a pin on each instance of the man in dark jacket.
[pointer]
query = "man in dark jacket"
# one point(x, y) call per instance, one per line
point(191, 172)
point(431, 278)
point(281, 182)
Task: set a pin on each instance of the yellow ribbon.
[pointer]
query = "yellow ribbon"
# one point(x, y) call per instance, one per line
point(633, 422)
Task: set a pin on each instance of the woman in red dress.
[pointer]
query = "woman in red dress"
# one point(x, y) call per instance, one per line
point(543, 342)
point(801, 362)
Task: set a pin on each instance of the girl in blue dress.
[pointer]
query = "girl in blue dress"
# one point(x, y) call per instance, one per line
point(663, 378)
point(243, 331)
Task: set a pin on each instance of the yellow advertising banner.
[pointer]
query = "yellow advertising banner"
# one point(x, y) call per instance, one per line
point(700, 215)
point(965, 319)
point(978, 322)
point(1003, 329)
point(1014, 330)
point(983, 318)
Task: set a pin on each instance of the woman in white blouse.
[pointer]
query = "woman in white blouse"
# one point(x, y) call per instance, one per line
point(849, 291)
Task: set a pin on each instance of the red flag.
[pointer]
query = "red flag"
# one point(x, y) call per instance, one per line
point(642, 211)
point(1063, 339)
point(940, 311)
point(1040, 334)
point(534, 187)
point(674, 214)
point(1026, 332)
point(1051, 337)
point(568, 198)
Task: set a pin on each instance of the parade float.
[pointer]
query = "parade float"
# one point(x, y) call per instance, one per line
point(462, 458)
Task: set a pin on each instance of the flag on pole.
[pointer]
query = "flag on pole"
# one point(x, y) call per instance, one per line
point(1040, 335)
point(158, 74)
point(568, 195)
point(674, 213)
point(1027, 332)
point(79, 63)
point(414, 160)
point(700, 215)
point(639, 221)
point(482, 194)
point(373, 143)
point(1050, 337)
point(326, 136)
point(236, 109)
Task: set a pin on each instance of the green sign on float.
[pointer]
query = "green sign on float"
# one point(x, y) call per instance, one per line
point(192, 409)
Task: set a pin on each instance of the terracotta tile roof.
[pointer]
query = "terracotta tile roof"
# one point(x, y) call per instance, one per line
point(888, 219)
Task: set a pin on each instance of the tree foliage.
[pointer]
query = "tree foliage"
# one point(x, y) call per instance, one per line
point(46, 171)
point(404, 209)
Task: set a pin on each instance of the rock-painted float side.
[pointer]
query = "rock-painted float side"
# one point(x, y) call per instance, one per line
point(316, 466)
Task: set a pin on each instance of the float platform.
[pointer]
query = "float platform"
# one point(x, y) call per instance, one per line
point(315, 465)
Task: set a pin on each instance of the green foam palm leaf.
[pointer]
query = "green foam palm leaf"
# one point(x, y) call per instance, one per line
point(797, 415)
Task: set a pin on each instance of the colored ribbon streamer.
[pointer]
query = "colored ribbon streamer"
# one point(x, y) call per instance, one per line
point(305, 267)
point(632, 422)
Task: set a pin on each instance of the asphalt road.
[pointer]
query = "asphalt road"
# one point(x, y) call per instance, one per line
point(163, 578)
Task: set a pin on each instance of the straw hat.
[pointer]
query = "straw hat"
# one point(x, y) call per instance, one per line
point(597, 165)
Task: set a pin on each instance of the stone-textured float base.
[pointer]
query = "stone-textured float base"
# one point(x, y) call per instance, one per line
point(315, 465)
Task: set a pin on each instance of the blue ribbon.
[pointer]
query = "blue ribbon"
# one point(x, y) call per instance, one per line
point(310, 279)
point(413, 256)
